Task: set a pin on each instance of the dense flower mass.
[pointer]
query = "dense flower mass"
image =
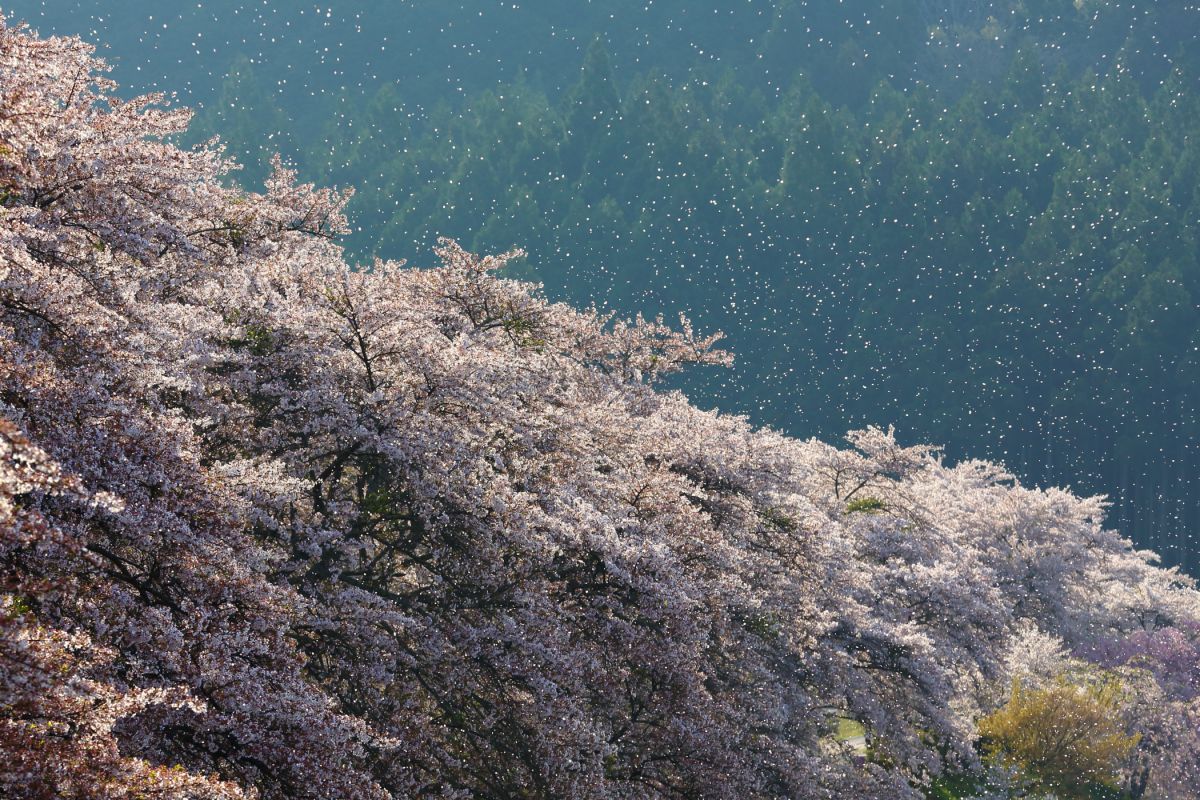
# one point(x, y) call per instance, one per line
point(271, 527)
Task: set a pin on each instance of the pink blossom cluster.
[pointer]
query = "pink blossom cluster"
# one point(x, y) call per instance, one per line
point(273, 527)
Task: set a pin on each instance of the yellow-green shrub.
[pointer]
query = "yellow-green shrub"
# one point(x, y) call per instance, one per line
point(1067, 738)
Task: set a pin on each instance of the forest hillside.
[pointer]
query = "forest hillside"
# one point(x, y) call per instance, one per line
point(272, 527)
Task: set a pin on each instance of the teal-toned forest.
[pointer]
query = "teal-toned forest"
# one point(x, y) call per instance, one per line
point(977, 221)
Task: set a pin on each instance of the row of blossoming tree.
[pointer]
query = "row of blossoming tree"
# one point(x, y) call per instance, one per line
point(271, 527)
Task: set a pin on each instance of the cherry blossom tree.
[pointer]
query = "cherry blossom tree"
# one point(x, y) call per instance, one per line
point(1167, 661)
point(276, 527)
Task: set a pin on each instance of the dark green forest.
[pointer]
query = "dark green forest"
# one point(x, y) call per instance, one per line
point(977, 221)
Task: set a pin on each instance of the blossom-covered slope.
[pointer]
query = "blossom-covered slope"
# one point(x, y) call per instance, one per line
point(273, 527)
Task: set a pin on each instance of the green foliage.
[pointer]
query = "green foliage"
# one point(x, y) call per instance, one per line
point(379, 502)
point(18, 605)
point(256, 339)
point(259, 340)
point(1067, 738)
point(954, 787)
point(777, 518)
point(865, 505)
point(849, 729)
point(523, 331)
